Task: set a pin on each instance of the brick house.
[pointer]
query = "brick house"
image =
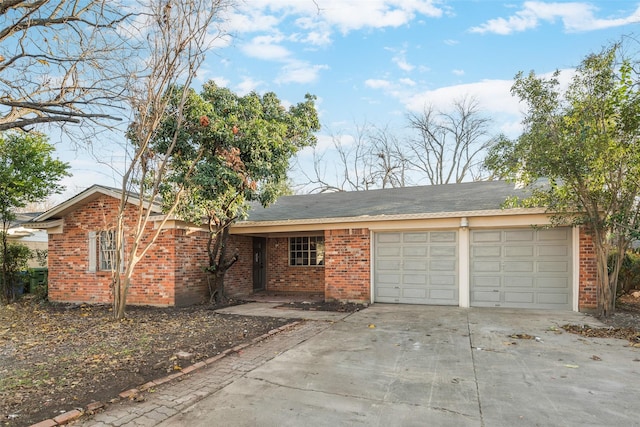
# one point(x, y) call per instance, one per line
point(449, 244)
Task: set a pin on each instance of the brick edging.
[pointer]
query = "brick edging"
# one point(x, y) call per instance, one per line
point(74, 414)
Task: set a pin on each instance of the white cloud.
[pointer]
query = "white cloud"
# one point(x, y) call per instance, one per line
point(267, 48)
point(458, 72)
point(575, 17)
point(494, 96)
point(299, 72)
point(377, 83)
point(247, 85)
point(407, 82)
point(401, 61)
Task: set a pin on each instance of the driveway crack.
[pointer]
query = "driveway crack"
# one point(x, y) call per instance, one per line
point(475, 372)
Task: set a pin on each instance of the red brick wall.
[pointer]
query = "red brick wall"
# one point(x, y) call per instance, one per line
point(191, 276)
point(156, 275)
point(348, 265)
point(285, 278)
point(587, 296)
point(238, 281)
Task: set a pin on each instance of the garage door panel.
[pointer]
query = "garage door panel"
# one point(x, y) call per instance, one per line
point(486, 266)
point(388, 292)
point(414, 279)
point(415, 251)
point(415, 237)
point(552, 250)
point(389, 251)
point(518, 281)
point(486, 236)
point(443, 295)
point(518, 235)
point(518, 251)
point(442, 265)
point(519, 297)
point(553, 298)
point(481, 297)
point(527, 268)
point(485, 281)
point(389, 238)
point(391, 265)
point(443, 251)
point(414, 292)
point(486, 251)
point(443, 236)
point(561, 234)
point(552, 282)
point(518, 266)
point(437, 280)
point(416, 267)
point(389, 279)
point(553, 266)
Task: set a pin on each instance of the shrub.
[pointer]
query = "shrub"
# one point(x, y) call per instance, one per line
point(14, 261)
point(629, 277)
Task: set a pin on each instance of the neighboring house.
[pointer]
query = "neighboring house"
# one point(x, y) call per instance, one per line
point(31, 238)
point(448, 244)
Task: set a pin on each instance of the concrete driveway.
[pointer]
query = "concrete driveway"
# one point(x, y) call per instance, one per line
point(401, 365)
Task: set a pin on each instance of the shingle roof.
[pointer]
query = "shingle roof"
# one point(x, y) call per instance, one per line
point(472, 196)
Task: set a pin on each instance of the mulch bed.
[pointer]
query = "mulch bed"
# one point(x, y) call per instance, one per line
point(54, 358)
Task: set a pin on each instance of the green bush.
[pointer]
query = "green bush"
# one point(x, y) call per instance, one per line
point(13, 261)
point(629, 277)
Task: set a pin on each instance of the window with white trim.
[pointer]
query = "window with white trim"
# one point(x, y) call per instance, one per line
point(306, 251)
point(107, 252)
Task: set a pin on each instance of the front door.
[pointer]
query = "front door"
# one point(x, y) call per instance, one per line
point(259, 258)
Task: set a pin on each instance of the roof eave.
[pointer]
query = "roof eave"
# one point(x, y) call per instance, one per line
point(376, 218)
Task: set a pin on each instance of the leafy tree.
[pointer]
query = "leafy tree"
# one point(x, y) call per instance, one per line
point(61, 61)
point(585, 142)
point(28, 173)
point(232, 150)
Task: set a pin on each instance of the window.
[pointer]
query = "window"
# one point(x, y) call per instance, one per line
point(107, 250)
point(306, 251)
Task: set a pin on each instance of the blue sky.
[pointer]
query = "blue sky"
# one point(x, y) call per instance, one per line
point(377, 60)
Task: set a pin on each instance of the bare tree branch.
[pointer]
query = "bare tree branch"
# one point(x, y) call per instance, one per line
point(61, 61)
point(451, 144)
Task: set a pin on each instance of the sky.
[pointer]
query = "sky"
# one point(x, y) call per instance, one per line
point(376, 61)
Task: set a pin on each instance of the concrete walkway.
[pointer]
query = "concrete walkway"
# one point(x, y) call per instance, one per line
point(393, 365)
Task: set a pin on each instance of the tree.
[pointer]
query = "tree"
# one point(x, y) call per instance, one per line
point(178, 35)
point(586, 142)
point(451, 144)
point(233, 150)
point(371, 157)
point(28, 173)
point(60, 61)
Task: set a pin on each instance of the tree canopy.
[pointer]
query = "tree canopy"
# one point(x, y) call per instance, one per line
point(584, 144)
point(28, 173)
point(232, 150)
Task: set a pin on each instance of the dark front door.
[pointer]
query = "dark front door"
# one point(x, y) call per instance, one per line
point(259, 258)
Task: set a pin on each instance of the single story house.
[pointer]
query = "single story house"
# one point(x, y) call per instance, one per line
point(450, 244)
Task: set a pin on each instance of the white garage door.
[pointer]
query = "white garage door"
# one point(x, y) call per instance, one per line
point(416, 267)
point(525, 268)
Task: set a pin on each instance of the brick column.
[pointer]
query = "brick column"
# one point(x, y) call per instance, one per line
point(348, 265)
